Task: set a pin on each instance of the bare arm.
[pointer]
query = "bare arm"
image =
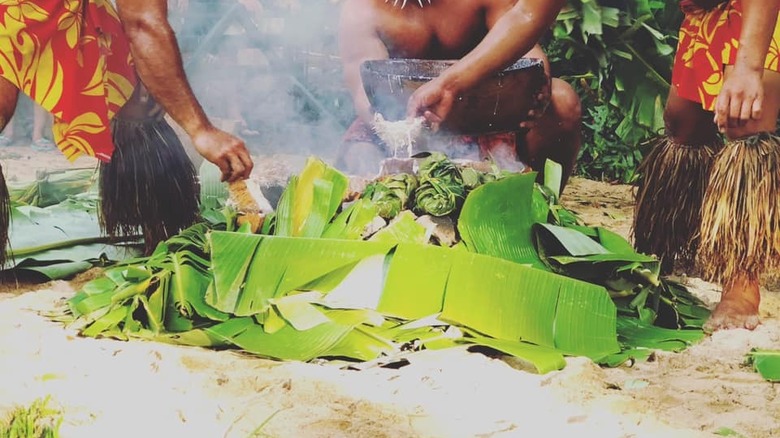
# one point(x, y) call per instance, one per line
point(159, 65)
point(512, 36)
point(358, 42)
point(158, 61)
point(741, 98)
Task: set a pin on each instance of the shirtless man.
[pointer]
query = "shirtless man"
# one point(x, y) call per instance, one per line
point(484, 36)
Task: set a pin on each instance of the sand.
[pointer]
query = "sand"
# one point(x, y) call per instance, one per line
point(129, 389)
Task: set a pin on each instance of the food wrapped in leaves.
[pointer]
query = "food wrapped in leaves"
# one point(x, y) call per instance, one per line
point(472, 178)
point(441, 188)
point(391, 194)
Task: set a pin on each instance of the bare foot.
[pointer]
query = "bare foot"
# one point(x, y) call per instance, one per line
point(738, 307)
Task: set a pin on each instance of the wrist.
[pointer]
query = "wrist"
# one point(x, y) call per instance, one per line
point(749, 67)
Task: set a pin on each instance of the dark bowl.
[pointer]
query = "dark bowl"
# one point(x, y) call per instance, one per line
point(497, 104)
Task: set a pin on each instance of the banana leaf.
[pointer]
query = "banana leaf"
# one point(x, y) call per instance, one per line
point(310, 200)
point(570, 252)
point(544, 359)
point(416, 282)
point(766, 363)
point(517, 302)
point(352, 222)
point(553, 177)
point(637, 334)
point(251, 269)
point(403, 229)
point(61, 240)
point(496, 220)
point(53, 187)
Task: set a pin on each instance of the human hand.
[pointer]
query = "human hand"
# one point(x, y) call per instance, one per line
point(227, 151)
point(741, 99)
point(433, 101)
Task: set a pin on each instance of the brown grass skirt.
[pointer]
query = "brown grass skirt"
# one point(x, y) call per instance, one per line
point(668, 201)
point(740, 227)
point(150, 186)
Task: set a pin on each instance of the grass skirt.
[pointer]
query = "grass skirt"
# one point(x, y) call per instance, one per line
point(668, 201)
point(150, 186)
point(740, 226)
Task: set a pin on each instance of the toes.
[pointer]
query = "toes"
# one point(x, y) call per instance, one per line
point(717, 322)
point(751, 322)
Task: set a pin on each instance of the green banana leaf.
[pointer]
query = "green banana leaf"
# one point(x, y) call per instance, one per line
point(516, 302)
point(53, 187)
point(251, 269)
point(766, 363)
point(350, 223)
point(569, 251)
point(635, 333)
point(474, 282)
point(61, 240)
point(403, 229)
point(544, 359)
point(289, 296)
point(496, 220)
point(310, 201)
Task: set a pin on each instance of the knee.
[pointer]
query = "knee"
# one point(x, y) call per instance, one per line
point(565, 103)
point(674, 123)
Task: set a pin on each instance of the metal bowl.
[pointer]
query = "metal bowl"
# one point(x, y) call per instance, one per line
point(497, 104)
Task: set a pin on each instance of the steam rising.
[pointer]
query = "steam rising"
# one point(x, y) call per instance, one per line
point(267, 72)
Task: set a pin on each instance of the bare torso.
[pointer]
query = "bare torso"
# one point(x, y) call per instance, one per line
point(444, 29)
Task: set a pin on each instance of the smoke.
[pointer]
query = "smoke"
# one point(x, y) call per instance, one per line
point(267, 71)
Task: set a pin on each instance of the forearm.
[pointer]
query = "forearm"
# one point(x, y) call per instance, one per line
point(512, 36)
point(758, 23)
point(358, 42)
point(359, 98)
point(158, 62)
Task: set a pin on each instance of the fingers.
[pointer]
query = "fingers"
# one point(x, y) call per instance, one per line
point(246, 162)
point(757, 109)
point(237, 169)
point(433, 120)
point(224, 167)
point(731, 113)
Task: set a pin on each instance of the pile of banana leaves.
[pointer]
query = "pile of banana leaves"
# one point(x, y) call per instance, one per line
point(54, 229)
point(525, 278)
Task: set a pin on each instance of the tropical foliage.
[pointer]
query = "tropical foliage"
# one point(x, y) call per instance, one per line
point(618, 55)
point(525, 279)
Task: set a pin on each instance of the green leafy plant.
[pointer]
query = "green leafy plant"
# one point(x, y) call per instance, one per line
point(38, 420)
point(618, 56)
